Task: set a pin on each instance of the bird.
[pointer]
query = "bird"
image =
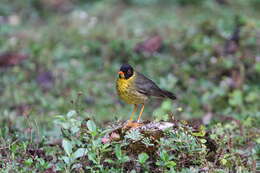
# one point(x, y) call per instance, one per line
point(135, 88)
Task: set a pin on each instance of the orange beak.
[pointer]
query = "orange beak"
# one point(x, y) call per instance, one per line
point(120, 73)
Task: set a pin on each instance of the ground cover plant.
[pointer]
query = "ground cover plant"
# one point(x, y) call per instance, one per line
point(59, 111)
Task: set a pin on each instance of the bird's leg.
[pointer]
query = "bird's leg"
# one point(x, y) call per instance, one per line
point(135, 109)
point(131, 124)
point(141, 112)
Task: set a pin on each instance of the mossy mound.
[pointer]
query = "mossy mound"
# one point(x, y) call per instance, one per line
point(167, 144)
point(154, 147)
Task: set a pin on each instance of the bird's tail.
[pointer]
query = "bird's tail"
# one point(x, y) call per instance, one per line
point(169, 94)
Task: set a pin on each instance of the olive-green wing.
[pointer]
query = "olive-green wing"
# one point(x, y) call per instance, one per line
point(149, 88)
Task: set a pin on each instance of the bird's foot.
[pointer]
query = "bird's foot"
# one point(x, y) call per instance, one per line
point(131, 124)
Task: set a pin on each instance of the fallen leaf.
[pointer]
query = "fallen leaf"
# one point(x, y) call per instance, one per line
point(151, 45)
point(11, 58)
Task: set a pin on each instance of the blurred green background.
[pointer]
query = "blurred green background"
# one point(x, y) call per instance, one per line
point(57, 55)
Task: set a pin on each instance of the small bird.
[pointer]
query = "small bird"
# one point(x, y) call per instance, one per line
point(134, 88)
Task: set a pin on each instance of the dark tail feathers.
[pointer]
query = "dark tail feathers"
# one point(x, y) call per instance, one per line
point(169, 94)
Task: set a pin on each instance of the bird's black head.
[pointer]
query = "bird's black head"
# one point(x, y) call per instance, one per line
point(126, 71)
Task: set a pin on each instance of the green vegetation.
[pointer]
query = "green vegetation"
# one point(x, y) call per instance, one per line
point(61, 55)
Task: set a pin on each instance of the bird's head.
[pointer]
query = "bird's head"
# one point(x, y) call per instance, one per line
point(126, 71)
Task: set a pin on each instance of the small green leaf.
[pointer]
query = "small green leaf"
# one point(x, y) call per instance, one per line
point(248, 122)
point(65, 125)
point(135, 135)
point(252, 96)
point(201, 132)
point(76, 166)
point(79, 153)
point(142, 158)
point(66, 159)
point(92, 157)
point(71, 113)
point(257, 140)
point(125, 159)
point(67, 146)
point(236, 98)
point(59, 118)
point(164, 156)
point(223, 161)
point(159, 163)
point(74, 129)
point(13, 148)
point(91, 126)
point(118, 152)
point(166, 105)
point(257, 67)
point(28, 162)
point(228, 63)
point(170, 164)
point(133, 171)
point(109, 161)
point(203, 141)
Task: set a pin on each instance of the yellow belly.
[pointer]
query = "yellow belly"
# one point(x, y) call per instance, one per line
point(127, 92)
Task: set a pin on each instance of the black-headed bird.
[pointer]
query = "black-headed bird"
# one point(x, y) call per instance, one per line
point(134, 88)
